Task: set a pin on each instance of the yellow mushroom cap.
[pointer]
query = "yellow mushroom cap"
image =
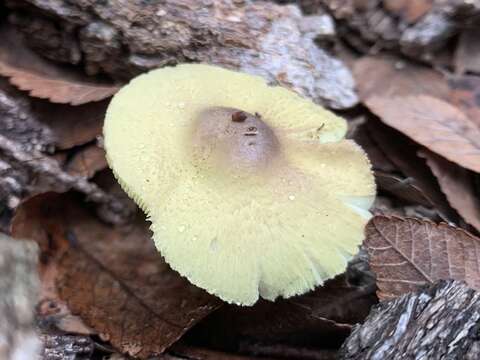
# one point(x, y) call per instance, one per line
point(251, 190)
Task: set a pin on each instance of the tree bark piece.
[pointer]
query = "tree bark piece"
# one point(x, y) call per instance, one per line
point(51, 176)
point(123, 39)
point(43, 79)
point(420, 29)
point(66, 347)
point(26, 164)
point(439, 322)
point(18, 295)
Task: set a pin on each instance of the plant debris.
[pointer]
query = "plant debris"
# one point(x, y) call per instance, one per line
point(404, 74)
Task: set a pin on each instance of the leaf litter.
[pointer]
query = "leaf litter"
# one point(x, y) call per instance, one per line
point(112, 277)
point(29, 72)
point(420, 125)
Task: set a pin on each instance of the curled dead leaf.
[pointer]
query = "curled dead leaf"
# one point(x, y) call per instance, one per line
point(182, 351)
point(402, 188)
point(389, 77)
point(434, 123)
point(321, 317)
point(71, 125)
point(465, 94)
point(376, 155)
point(402, 152)
point(29, 72)
point(457, 184)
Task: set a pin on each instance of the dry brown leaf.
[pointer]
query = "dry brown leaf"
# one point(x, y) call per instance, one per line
point(321, 317)
point(87, 162)
point(377, 157)
point(197, 353)
point(457, 184)
point(402, 152)
point(410, 11)
point(389, 77)
point(402, 188)
point(58, 89)
point(114, 278)
point(384, 205)
point(465, 94)
point(36, 218)
point(28, 71)
point(391, 80)
point(71, 125)
point(283, 351)
point(433, 123)
point(407, 253)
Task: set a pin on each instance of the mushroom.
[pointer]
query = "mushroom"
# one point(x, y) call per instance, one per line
point(251, 190)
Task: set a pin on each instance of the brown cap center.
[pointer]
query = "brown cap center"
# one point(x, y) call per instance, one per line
point(234, 139)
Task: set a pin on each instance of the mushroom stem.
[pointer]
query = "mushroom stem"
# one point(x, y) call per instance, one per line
point(232, 139)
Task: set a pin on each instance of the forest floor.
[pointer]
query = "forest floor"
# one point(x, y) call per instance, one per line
point(405, 75)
